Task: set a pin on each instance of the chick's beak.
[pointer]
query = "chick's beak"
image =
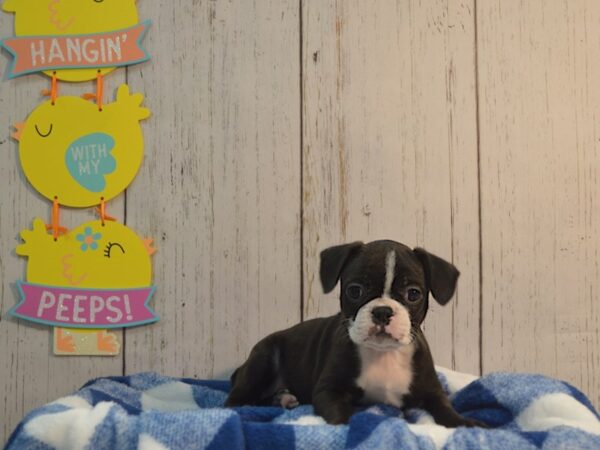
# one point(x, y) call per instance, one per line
point(18, 130)
point(148, 245)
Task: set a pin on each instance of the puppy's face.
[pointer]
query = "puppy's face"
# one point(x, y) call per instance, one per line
point(384, 289)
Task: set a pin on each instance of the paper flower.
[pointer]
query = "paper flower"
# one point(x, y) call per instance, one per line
point(88, 239)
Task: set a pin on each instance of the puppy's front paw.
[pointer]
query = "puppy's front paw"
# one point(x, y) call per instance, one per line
point(237, 398)
point(454, 420)
point(335, 407)
point(285, 399)
point(471, 423)
point(334, 413)
point(337, 417)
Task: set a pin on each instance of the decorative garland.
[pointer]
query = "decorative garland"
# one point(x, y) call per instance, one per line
point(80, 154)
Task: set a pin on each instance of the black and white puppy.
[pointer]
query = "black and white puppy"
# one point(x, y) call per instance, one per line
point(373, 351)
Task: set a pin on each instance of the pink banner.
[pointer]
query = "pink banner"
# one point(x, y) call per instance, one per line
point(84, 308)
point(111, 49)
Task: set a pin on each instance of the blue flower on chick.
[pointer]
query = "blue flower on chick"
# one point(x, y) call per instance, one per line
point(88, 239)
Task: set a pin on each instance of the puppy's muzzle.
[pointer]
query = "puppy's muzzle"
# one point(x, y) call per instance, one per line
point(382, 315)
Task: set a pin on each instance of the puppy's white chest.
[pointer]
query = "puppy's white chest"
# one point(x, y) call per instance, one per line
point(385, 376)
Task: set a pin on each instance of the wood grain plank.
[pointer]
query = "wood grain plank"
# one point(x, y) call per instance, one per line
point(30, 375)
point(538, 72)
point(220, 187)
point(390, 145)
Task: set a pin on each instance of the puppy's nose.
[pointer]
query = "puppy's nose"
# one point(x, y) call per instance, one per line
point(381, 315)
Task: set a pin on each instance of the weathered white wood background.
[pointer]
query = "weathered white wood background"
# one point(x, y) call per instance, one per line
point(282, 127)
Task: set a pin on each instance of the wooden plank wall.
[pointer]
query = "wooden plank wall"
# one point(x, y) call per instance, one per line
point(223, 182)
point(540, 202)
point(282, 127)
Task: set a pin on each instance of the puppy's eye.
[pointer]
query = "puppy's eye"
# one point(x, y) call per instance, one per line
point(413, 294)
point(354, 291)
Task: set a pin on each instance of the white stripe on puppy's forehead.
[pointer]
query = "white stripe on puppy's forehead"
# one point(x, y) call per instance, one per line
point(390, 270)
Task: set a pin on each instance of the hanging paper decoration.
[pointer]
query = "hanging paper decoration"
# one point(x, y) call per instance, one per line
point(75, 39)
point(95, 276)
point(81, 154)
point(77, 153)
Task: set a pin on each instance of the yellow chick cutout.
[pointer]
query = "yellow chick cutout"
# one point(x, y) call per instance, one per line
point(91, 256)
point(81, 154)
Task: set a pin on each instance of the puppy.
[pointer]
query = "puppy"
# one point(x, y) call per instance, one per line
point(372, 351)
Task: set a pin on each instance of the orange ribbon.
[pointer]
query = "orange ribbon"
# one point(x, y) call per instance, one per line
point(99, 91)
point(53, 92)
point(101, 210)
point(57, 230)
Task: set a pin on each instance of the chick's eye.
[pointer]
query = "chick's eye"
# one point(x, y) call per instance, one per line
point(413, 294)
point(354, 291)
point(98, 1)
point(46, 134)
point(111, 247)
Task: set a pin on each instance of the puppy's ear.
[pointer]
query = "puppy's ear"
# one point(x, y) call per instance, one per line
point(441, 276)
point(333, 260)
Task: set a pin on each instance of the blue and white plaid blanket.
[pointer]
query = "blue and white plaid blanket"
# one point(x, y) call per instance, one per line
point(149, 411)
